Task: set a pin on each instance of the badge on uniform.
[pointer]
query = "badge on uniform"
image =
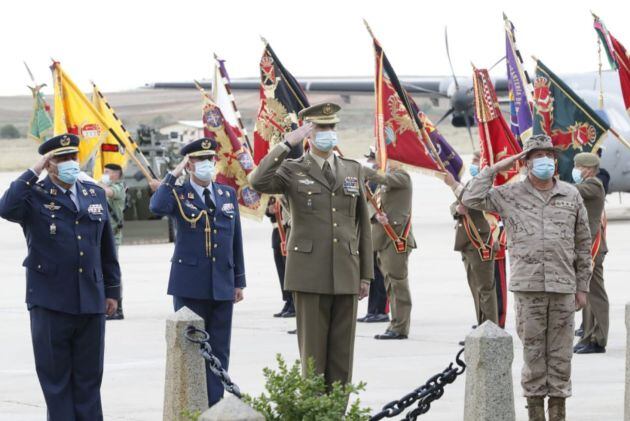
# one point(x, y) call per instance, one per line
point(190, 206)
point(191, 195)
point(92, 192)
point(52, 207)
point(95, 209)
point(84, 192)
point(351, 185)
point(53, 191)
point(53, 229)
point(228, 208)
point(220, 192)
point(306, 181)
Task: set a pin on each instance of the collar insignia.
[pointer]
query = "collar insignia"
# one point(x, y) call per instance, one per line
point(53, 191)
point(191, 195)
point(92, 192)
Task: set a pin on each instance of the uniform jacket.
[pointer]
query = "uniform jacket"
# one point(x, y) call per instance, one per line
point(396, 195)
point(116, 208)
point(548, 240)
point(330, 243)
point(462, 241)
point(193, 273)
point(71, 265)
point(594, 196)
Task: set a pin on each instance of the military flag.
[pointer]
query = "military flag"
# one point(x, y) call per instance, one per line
point(497, 141)
point(75, 113)
point(403, 132)
point(559, 113)
point(617, 57)
point(40, 127)
point(519, 87)
point(281, 98)
point(234, 159)
point(110, 151)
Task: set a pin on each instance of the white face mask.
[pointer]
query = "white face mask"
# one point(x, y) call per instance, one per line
point(204, 170)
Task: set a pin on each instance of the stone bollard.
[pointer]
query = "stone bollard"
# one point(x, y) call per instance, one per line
point(626, 408)
point(489, 393)
point(185, 387)
point(231, 408)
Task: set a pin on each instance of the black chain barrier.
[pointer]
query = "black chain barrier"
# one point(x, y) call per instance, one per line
point(432, 390)
point(201, 337)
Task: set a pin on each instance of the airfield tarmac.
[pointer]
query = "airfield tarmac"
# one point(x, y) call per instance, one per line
point(442, 315)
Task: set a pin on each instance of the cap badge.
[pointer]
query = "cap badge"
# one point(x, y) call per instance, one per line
point(327, 109)
point(205, 144)
point(65, 141)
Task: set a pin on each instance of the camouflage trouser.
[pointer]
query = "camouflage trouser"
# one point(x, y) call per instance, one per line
point(545, 323)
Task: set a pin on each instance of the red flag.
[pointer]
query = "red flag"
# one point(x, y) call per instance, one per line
point(618, 58)
point(281, 98)
point(403, 132)
point(497, 141)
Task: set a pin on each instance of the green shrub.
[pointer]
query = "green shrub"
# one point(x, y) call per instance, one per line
point(9, 131)
point(292, 397)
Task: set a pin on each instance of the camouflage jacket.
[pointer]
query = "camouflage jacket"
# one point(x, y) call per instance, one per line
point(549, 241)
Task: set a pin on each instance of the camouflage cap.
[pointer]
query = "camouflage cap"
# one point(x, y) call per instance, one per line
point(586, 159)
point(537, 142)
point(324, 113)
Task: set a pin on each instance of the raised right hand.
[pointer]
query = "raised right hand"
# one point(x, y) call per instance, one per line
point(180, 167)
point(41, 163)
point(507, 163)
point(298, 135)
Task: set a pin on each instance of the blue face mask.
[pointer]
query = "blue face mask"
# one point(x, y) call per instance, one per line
point(204, 170)
point(577, 175)
point(325, 141)
point(68, 171)
point(543, 168)
point(474, 169)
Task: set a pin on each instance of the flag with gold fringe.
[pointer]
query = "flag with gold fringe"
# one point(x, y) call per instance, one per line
point(497, 141)
point(40, 127)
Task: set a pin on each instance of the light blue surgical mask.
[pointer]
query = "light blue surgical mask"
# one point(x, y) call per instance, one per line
point(543, 167)
point(68, 171)
point(325, 141)
point(204, 170)
point(577, 176)
point(105, 179)
point(474, 169)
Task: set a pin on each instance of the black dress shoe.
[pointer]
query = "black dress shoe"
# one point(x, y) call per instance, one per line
point(577, 347)
point(116, 316)
point(474, 327)
point(591, 348)
point(288, 314)
point(390, 335)
point(378, 318)
point(579, 333)
point(365, 318)
point(292, 332)
point(462, 343)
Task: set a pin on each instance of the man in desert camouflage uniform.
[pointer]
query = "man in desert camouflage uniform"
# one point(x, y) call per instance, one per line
point(549, 245)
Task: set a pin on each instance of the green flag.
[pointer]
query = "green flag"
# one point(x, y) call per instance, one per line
point(41, 125)
point(559, 113)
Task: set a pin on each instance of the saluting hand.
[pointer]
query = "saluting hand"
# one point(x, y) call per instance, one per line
point(41, 163)
point(296, 136)
point(507, 163)
point(180, 167)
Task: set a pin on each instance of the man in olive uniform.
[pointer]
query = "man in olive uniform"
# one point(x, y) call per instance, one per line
point(473, 239)
point(393, 240)
point(550, 261)
point(329, 262)
point(116, 193)
point(595, 314)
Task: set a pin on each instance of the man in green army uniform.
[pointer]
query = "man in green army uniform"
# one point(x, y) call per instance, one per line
point(116, 193)
point(595, 314)
point(550, 267)
point(473, 239)
point(329, 261)
point(392, 240)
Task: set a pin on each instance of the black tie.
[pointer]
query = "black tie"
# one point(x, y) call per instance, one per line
point(208, 200)
point(69, 194)
point(328, 174)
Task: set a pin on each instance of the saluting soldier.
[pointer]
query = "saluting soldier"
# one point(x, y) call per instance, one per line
point(207, 271)
point(329, 262)
point(596, 313)
point(393, 241)
point(72, 277)
point(116, 193)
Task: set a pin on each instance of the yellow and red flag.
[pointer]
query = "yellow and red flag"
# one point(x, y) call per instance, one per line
point(110, 151)
point(497, 141)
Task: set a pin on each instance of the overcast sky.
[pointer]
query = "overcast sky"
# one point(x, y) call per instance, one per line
point(125, 44)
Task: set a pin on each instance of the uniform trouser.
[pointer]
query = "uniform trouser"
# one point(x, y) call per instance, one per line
point(69, 352)
point(394, 268)
point(325, 329)
point(595, 315)
point(118, 241)
point(281, 262)
point(482, 285)
point(544, 322)
point(217, 317)
point(377, 301)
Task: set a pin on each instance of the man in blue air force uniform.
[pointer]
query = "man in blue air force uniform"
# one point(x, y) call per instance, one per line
point(72, 277)
point(207, 271)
